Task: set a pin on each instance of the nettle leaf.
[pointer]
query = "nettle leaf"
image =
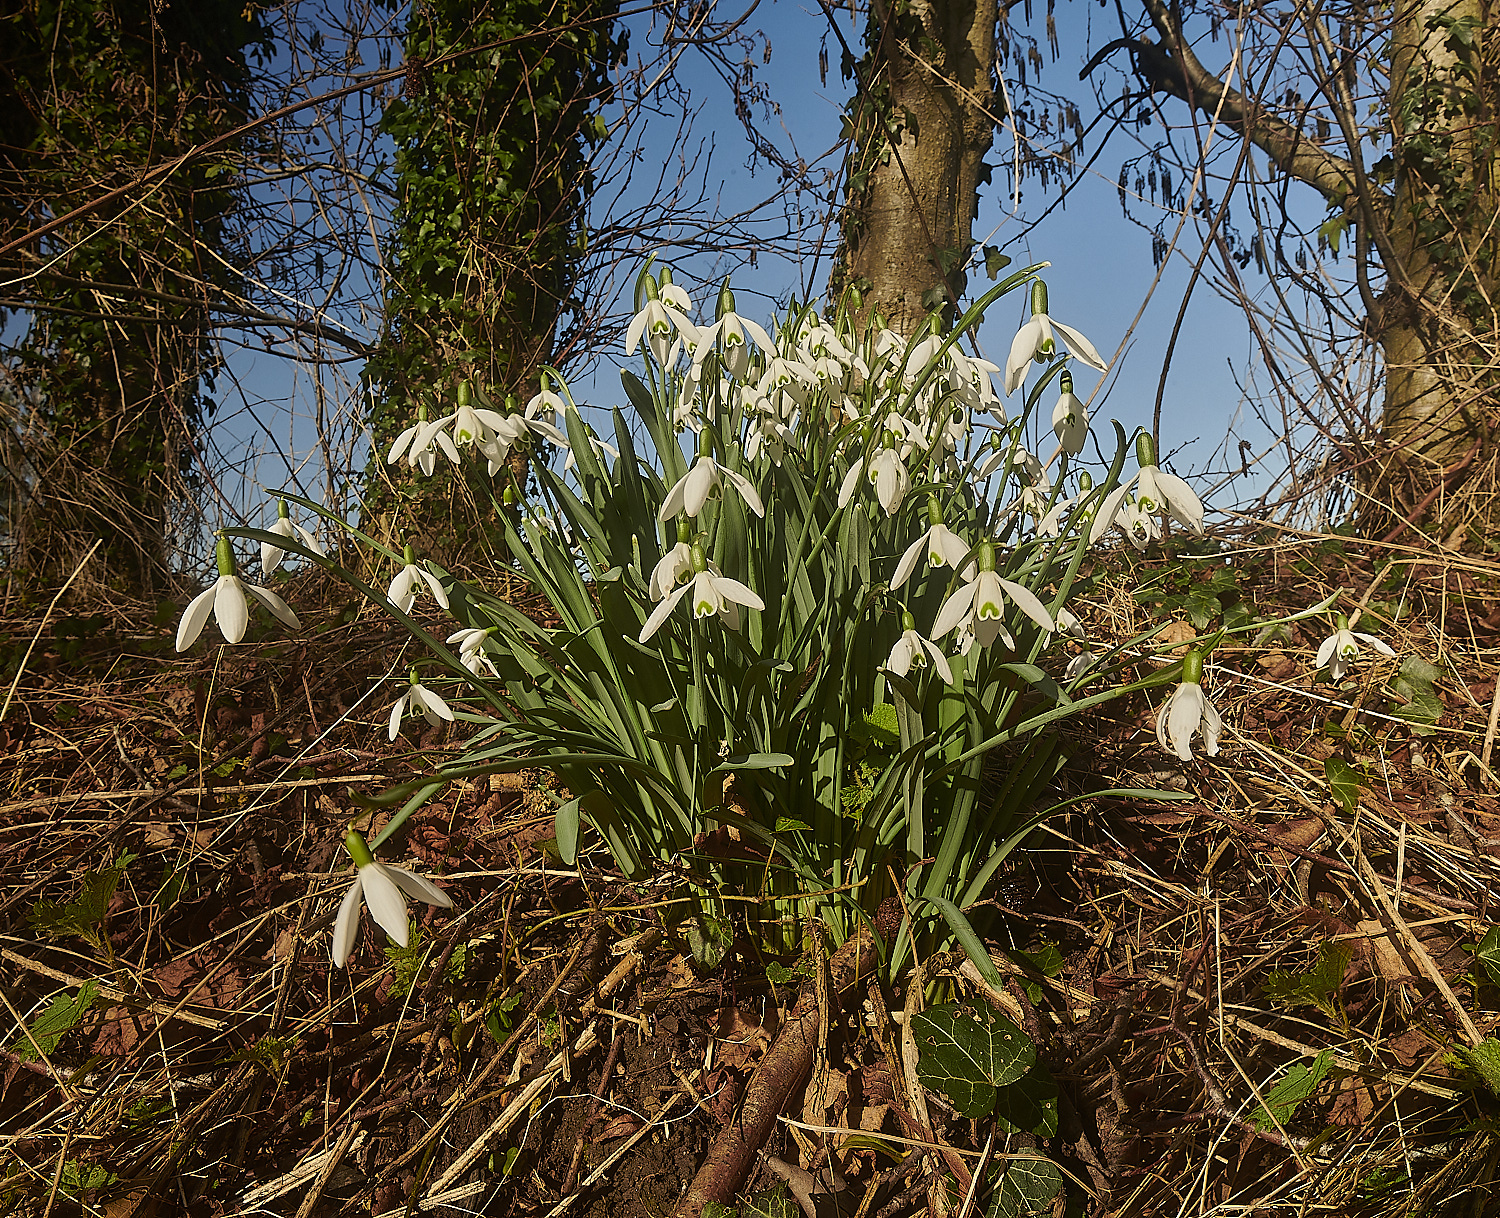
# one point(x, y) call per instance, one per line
point(1024, 1187)
point(62, 1015)
point(775, 1202)
point(1413, 682)
point(1318, 987)
point(1292, 1088)
point(1484, 1060)
point(968, 1053)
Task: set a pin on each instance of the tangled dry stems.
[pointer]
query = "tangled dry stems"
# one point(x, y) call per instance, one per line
point(224, 1067)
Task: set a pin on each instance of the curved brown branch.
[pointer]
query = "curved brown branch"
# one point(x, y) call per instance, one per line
point(1171, 65)
point(783, 1069)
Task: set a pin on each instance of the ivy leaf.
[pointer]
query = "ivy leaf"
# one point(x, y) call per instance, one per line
point(994, 261)
point(1029, 1106)
point(968, 1053)
point(1343, 781)
point(1024, 1187)
point(1413, 683)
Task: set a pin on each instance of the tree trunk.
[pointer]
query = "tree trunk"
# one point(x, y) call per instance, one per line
point(924, 123)
point(1437, 321)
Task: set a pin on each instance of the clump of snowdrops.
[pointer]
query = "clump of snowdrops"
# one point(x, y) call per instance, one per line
point(814, 581)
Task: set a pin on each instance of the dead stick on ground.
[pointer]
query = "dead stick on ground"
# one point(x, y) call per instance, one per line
point(783, 1069)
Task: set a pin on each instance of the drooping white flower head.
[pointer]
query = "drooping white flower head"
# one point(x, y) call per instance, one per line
point(676, 565)
point(1037, 340)
point(690, 492)
point(419, 700)
point(471, 655)
point(911, 650)
point(410, 580)
point(1156, 491)
point(943, 547)
point(1340, 649)
point(729, 336)
point(226, 599)
point(663, 316)
point(271, 556)
point(712, 594)
point(384, 888)
point(1070, 421)
point(983, 596)
point(1187, 713)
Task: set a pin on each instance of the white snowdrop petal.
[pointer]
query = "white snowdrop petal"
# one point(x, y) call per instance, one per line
point(418, 886)
point(347, 923)
point(275, 604)
point(230, 608)
point(195, 617)
point(387, 905)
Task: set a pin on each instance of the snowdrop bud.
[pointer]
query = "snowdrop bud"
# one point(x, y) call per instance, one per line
point(934, 513)
point(465, 393)
point(1038, 297)
point(986, 556)
point(509, 497)
point(652, 292)
point(726, 300)
point(408, 556)
point(1085, 483)
point(856, 299)
point(224, 556)
point(1145, 450)
point(358, 849)
point(908, 622)
point(684, 529)
point(1192, 667)
point(700, 559)
point(282, 511)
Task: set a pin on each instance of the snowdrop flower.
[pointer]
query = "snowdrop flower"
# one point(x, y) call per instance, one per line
point(548, 402)
point(418, 699)
point(769, 435)
point(1070, 421)
point(657, 323)
point(674, 294)
point(471, 648)
point(984, 595)
point(890, 479)
point(381, 886)
point(226, 598)
point(421, 442)
point(690, 492)
point(675, 566)
point(1050, 525)
point(1037, 340)
point(712, 594)
point(409, 581)
point(908, 653)
point(1156, 491)
point(1141, 526)
point(1341, 649)
point(943, 547)
point(728, 335)
point(1187, 713)
point(271, 556)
